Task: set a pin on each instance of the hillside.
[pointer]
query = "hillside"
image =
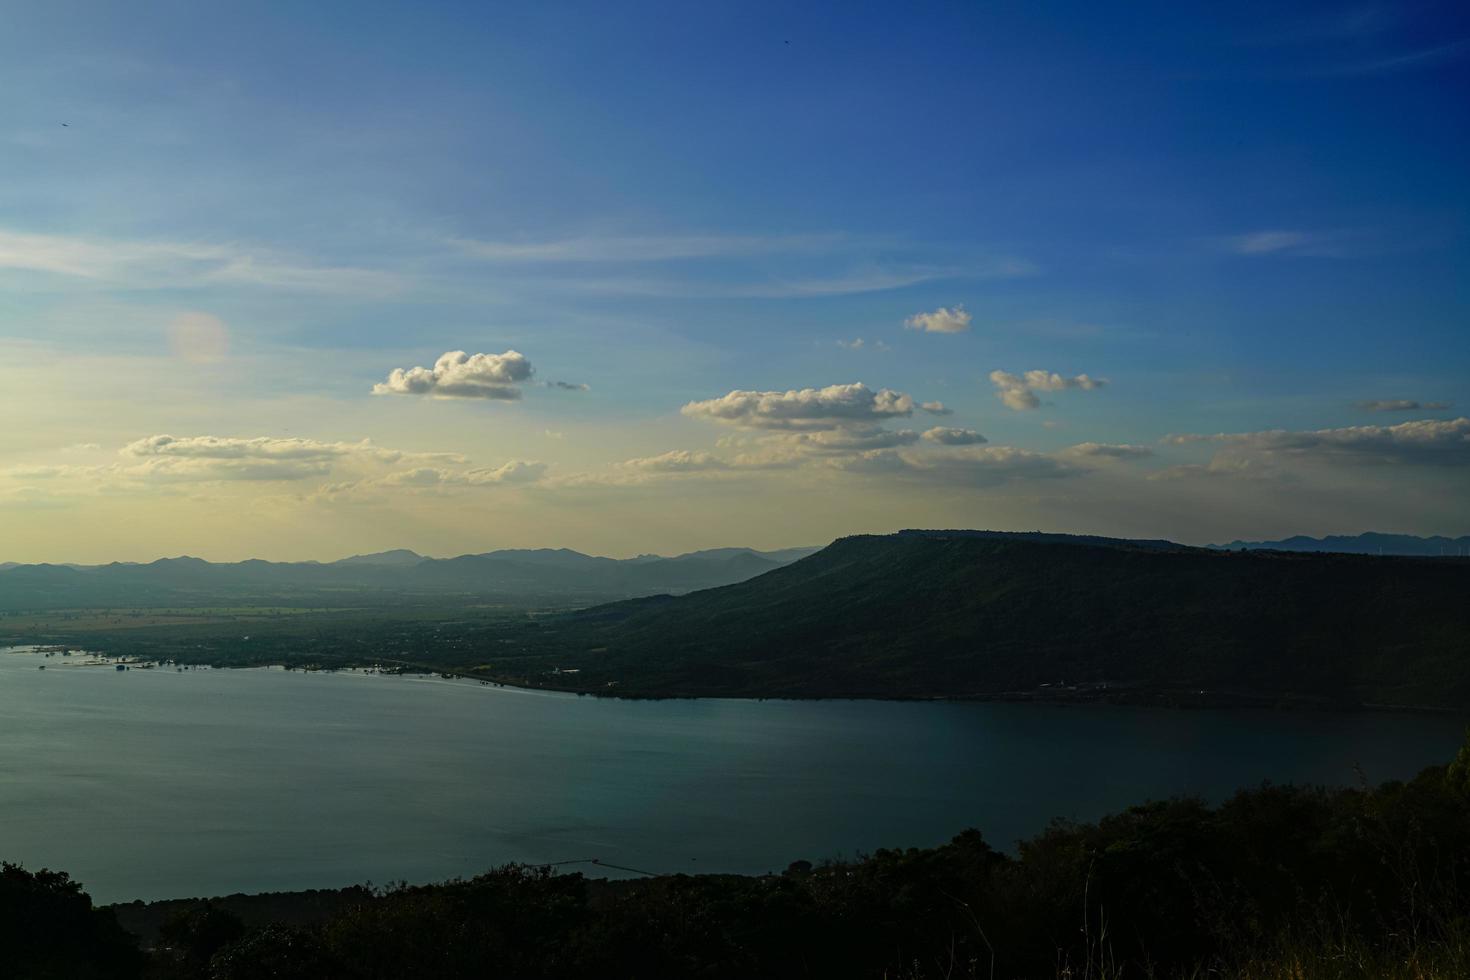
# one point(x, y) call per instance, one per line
point(956, 614)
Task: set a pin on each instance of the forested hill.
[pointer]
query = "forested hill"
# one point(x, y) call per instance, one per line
point(954, 614)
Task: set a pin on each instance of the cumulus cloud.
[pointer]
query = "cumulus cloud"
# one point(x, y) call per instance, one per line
point(1018, 391)
point(942, 320)
point(1400, 405)
point(832, 407)
point(457, 374)
point(1429, 442)
point(936, 408)
point(954, 437)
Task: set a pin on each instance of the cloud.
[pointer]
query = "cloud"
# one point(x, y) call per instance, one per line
point(1109, 450)
point(261, 447)
point(855, 344)
point(1427, 442)
point(834, 406)
point(514, 472)
point(936, 408)
point(459, 375)
point(1018, 391)
point(942, 320)
point(568, 386)
point(1305, 244)
point(676, 461)
point(1400, 405)
point(850, 440)
point(954, 437)
point(182, 459)
point(968, 466)
point(175, 265)
point(645, 248)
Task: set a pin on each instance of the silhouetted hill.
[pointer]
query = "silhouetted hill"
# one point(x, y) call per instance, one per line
point(1368, 543)
point(947, 614)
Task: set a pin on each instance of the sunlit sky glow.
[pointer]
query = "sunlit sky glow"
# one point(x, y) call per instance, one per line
point(303, 280)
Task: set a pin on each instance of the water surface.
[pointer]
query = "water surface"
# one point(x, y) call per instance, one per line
point(160, 783)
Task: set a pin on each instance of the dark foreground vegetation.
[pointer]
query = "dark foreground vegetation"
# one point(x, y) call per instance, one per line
point(1278, 882)
point(911, 615)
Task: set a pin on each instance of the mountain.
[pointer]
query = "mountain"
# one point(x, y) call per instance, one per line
point(526, 575)
point(956, 614)
point(398, 556)
point(1369, 543)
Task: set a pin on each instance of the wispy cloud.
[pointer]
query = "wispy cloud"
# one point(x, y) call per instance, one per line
point(646, 248)
point(1429, 442)
point(1281, 241)
point(1400, 405)
point(1420, 58)
point(139, 264)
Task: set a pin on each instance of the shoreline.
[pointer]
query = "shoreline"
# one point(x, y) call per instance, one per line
point(1122, 696)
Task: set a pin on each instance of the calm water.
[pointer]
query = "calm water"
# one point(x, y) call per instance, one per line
point(154, 783)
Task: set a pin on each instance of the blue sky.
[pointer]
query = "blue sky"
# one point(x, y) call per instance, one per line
point(1246, 220)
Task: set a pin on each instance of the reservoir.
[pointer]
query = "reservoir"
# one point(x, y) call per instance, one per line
point(163, 783)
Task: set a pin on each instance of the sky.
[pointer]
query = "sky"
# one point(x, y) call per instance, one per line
point(298, 281)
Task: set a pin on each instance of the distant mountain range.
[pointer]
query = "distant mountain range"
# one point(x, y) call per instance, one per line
point(1369, 543)
point(525, 575)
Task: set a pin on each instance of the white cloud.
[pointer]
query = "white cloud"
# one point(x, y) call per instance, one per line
point(856, 343)
point(936, 408)
point(459, 375)
point(1018, 391)
point(954, 437)
point(835, 406)
point(942, 320)
point(568, 385)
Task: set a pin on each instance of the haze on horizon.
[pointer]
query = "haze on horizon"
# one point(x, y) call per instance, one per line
point(299, 283)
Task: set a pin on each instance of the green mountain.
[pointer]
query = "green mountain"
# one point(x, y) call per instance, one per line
point(961, 614)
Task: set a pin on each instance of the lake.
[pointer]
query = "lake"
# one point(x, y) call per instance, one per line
point(163, 783)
